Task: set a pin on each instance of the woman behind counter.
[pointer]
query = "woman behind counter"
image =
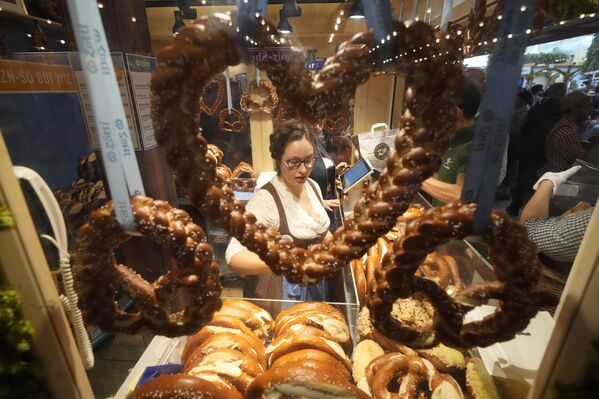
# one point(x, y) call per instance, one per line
point(290, 203)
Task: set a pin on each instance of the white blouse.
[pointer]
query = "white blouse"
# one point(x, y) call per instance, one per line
point(301, 224)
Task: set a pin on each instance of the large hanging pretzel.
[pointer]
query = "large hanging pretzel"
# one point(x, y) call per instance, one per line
point(428, 126)
point(515, 266)
point(430, 65)
point(99, 277)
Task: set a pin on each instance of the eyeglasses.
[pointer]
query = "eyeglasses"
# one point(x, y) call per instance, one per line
point(295, 163)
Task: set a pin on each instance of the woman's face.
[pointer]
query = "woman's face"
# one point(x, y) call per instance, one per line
point(297, 162)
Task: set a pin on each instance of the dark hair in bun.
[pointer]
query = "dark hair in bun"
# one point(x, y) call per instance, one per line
point(285, 133)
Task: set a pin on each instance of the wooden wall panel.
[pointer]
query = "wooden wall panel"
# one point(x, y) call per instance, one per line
point(373, 103)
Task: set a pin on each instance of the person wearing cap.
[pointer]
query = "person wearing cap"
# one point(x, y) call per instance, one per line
point(558, 237)
point(563, 145)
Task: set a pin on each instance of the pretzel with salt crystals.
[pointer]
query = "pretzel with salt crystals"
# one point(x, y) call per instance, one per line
point(98, 278)
point(516, 268)
point(427, 129)
point(430, 64)
point(253, 99)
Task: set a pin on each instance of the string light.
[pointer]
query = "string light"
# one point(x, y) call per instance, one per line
point(133, 19)
point(62, 41)
point(49, 22)
point(100, 5)
point(510, 36)
point(523, 8)
point(29, 35)
point(528, 31)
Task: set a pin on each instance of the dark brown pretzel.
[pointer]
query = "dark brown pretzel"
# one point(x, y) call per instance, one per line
point(220, 95)
point(427, 130)
point(98, 277)
point(429, 63)
point(231, 121)
point(259, 97)
point(243, 177)
point(515, 266)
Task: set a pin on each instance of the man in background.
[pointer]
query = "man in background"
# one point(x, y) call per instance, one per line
point(447, 184)
point(538, 124)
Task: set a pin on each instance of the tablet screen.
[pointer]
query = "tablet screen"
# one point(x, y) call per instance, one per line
point(356, 173)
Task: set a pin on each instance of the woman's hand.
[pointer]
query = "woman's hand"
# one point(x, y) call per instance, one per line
point(330, 204)
point(340, 168)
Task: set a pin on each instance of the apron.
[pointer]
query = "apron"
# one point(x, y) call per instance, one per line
point(271, 286)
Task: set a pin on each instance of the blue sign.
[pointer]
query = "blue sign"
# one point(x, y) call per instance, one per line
point(315, 65)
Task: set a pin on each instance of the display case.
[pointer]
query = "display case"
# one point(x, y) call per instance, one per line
point(511, 365)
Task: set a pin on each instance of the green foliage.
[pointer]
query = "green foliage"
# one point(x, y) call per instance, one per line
point(587, 387)
point(546, 58)
point(20, 370)
point(591, 62)
point(6, 220)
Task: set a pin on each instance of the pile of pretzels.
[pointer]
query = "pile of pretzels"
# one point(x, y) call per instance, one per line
point(308, 356)
point(430, 63)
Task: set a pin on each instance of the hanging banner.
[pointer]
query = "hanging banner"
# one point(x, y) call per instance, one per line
point(496, 110)
point(112, 126)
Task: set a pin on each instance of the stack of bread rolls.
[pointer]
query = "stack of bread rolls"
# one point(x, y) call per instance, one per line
point(309, 355)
